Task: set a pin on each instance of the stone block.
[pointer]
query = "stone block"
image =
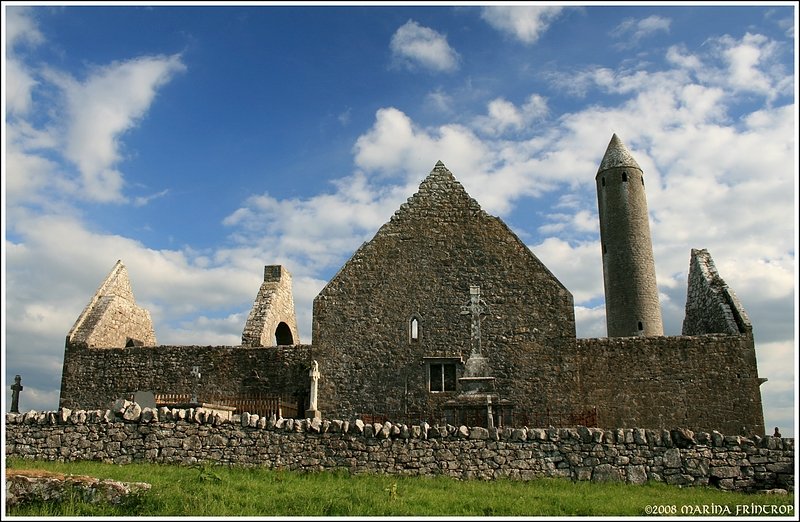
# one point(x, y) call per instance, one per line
point(636, 474)
point(606, 473)
point(672, 458)
point(725, 471)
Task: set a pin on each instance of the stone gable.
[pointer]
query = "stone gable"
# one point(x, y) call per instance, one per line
point(112, 319)
point(420, 265)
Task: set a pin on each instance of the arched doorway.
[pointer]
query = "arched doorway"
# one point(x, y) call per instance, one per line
point(283, 335)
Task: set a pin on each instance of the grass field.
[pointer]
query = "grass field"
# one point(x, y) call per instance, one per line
point(217, 491)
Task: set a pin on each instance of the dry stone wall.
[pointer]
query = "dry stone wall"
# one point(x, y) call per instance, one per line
point(129, 433)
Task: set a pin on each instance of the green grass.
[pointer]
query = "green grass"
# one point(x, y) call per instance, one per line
point(225, 491)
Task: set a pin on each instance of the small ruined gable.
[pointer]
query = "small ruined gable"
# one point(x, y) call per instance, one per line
point(112, 319)
point(272, 320)
point(711, 307)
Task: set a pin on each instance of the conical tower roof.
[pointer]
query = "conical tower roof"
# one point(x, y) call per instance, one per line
point(617, 155)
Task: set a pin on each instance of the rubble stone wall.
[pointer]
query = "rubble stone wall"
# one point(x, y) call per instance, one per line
point(711, 305)
point(127, 433)
point(703, 382)
point(273, 307)
point(96, 378)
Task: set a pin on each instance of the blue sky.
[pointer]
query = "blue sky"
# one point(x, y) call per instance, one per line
point(198, 143)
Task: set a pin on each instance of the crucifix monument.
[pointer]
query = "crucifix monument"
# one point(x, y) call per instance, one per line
point(15, 389)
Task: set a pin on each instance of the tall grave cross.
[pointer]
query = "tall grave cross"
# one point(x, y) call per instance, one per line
point(477, 309)
point(15, 389)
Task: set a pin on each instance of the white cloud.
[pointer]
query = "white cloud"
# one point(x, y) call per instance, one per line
point(100, 109)
point(526, 23)
point(440, 101)
point(503, 116)
point(631, 30)
point(416, 45)
point(19, 84)
point(141, 201)
point(21, 27)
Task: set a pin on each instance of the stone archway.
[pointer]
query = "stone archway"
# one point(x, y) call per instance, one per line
point(283, 335)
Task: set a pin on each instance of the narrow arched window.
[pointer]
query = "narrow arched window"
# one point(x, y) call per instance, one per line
point(643, 181)
point(624, 176)
point(603, 181)
point(641, 326)
point(414, 330)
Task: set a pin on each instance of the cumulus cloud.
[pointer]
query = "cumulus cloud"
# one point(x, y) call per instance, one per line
point(414, 45)
point(526, 23)
point(83, 125)
point(100, 109)
point(503, 116)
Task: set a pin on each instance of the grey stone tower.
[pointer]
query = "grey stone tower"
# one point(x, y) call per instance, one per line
point(629, 271)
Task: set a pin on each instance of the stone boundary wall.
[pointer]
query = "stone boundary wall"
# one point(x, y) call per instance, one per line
point(127, 433)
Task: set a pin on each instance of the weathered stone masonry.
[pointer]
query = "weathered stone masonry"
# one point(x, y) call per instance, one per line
point(390, 324)
point(127, 433)
point(227, 371)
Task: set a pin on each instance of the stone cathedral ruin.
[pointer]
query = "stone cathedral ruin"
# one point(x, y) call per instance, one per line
point(446, 315)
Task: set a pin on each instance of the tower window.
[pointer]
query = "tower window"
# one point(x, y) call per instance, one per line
point(603, 181)
point(604, 249)
point(624, 176)
point(414, 330)
point(641, 326)
point(643, 181)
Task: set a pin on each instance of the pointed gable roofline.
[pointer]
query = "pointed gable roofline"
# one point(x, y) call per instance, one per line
point(440, 184)
point(617, 155)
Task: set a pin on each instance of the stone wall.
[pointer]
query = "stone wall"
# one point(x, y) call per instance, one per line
point(112, 318)
point(701, 382)
point(272, 319)
point(711, 306)
point(96, 378)
point(128, 433)
point(420, 266)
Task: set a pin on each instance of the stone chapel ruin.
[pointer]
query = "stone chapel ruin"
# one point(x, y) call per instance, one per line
point(446, 315)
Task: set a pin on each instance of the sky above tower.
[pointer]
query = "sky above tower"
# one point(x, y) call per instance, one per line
point(199, 142)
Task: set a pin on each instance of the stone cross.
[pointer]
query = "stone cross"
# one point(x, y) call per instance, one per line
point(15, 389)
point(477, 309)
point(196, 375)
point(314, 374)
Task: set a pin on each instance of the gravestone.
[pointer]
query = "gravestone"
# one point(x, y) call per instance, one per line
point(145, 399)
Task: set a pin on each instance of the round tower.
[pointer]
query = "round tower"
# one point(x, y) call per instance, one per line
point(629, 271)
